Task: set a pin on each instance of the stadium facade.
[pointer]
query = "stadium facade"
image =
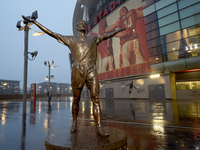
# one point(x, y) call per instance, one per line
point(156, 57)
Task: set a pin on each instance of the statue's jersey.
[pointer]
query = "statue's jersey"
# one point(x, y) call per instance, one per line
point(83, 50)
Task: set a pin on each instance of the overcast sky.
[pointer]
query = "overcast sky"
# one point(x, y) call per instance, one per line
point(57, 16)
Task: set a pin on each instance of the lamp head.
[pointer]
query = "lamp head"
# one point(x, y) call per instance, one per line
point(20, 24)
point(25, 21)
point(34, 15)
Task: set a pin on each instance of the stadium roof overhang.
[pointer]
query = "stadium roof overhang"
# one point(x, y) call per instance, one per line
point(78, 11)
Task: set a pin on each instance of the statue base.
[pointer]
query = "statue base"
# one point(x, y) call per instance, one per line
point(85, 138)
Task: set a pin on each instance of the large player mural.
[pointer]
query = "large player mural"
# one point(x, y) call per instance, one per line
point(127, 53)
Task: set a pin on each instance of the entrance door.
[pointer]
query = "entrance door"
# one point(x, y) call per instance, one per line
point(109, 93)
point(157, 91)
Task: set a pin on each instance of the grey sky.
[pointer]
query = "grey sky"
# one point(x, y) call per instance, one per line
point(57, 16)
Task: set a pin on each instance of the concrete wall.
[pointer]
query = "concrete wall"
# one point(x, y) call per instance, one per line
point(139, 89)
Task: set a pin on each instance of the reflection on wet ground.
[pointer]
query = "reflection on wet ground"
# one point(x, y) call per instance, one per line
point(148, 124)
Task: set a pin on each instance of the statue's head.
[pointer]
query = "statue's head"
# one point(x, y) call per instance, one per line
point(81, 25)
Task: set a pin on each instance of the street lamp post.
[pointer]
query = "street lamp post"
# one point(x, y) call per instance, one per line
point(26, 31)
point(49, 64)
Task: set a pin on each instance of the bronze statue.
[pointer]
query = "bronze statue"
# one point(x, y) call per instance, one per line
point(84, 54)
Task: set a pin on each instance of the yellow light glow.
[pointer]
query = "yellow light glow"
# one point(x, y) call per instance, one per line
point(155, 76)
point(83, 106)
point(140, 81)
point(45, 123)
point(58, 106)
point(91, 108)
point(3, 118)
point(38, 34)
point(195, 46)
point(39, 110)
point(158, 126)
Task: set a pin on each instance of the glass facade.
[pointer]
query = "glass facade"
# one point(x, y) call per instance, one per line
point(188, 85)
point(172, 28)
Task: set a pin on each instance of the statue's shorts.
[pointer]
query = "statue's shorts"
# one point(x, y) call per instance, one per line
point(84, 73)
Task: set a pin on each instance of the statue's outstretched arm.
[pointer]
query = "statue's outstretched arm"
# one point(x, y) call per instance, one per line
point(111, 34)
point(44, 29)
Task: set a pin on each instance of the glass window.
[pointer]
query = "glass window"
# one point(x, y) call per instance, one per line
point(155, 51)
point(166, 11)
point(153, 43)
point(170, 37)
point(193, 45)
point(186, 3)
point(149, 10)
point(150, 18)
point(190, 21)
point(163, 3)
point(153, 34)
point(194, 9)
point(170, 28)
point(191, 31)
point(185, 33)
point(163, 39)
point(188, 85)
point(155, 59)
point(173, 55)
point(151, 26)
point(167, 20)
point(173, 46)
point(146, 3)
point(164, 48)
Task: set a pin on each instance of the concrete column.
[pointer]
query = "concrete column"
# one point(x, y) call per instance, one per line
point(173, 95)
point(85, 13)
point(172, 85)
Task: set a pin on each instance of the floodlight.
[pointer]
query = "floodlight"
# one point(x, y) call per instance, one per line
point(25, 21)
point(34, 15)
point(19, 24)
point(155, 76)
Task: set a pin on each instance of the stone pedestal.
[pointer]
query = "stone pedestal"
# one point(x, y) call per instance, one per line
point(85, 138)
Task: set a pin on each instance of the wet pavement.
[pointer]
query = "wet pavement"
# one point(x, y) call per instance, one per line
point(149, 124)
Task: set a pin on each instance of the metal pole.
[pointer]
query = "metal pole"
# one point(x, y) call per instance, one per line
point(49, 76)
point(26, 29)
